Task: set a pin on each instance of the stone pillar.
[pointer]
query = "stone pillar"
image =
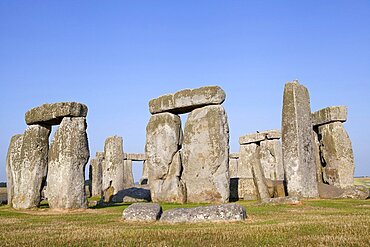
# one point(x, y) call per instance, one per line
point(68, 156)
point(206, 155)
point(29, 174)
point(97, 174)
point(128, 177)
point(335, 147)
point(298, 157)
point(272, 159)
point(13, 161)
point(113, 167)
point(163, 159)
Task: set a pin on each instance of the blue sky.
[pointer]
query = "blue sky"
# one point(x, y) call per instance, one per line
point(115, 56)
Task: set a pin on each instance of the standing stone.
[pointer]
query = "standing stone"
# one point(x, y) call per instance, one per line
point(13, 159)
point(113, 167)
point(247, 187)
point(272, 159)
point(251, 151)
point(97, 174)
point(316, 151)
point(337, 155)
point(29, 174)
point(144, 178)
point(68, 155)
point(206, 155)
point(128, 177)
point(298, 157)
point(163, 159)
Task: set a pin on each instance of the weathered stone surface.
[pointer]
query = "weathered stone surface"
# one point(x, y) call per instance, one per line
point(233, 168)
point(13, 161)
point(142, 212)
point(145, 177)
point(316, 152)
point(216, 213)
point(132, 194)
point(30, 172)
point(134, 156)
point(271, 159)
point(163, 142)
point(53, 114)
point(234, 155)
point(97, 174)
point(329, 115)
point(68, 155)
point(260, 136)
point(298, 157)
point(251, 138)
point(276, 188)
point(333, 192)
point(206, 155)
point(250, 167)
point(128, 176)
point(113, 167)
point(187, 100)
point(291, 200)
point(337, 155)
point(247, 189)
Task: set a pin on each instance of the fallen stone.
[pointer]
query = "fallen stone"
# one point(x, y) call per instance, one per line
point(298, 157)
point(134, 157)
point(206, 155)
point(132, 195)
point(332, 192)
point(337, 155)
point(187, 100)
point(68, 155)
point(329, 115)
point(113, 167)
point(96, 165)
point(290, 200)
point(13, 159)
point(216, 213)
point(147, 212)
point(29, 172)
point(128, 177)
point(52, 114)
point(163, 142)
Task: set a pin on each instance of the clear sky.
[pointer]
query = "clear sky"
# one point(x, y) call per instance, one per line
point(115, 56)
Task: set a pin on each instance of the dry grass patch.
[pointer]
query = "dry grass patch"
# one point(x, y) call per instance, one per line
point(315, 223)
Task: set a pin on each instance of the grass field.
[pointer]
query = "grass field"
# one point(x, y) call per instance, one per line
point(314, 223)
point(363, 181)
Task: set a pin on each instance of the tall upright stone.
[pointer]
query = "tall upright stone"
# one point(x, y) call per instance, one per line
point(68, 155)
point(206, 155)
point(113, 167)
point(163, 159)
point(298, 157)
point(97, 174)
point(128, 177)
point(271, 159)
point(252, 174)
point(13, 161)
point(337, 155)
point(29, 174)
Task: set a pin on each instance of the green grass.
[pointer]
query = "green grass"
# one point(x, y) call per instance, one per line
point(363, 181)
point(316, 222)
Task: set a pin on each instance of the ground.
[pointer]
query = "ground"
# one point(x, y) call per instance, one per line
point(343, 222)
